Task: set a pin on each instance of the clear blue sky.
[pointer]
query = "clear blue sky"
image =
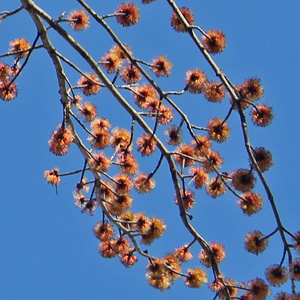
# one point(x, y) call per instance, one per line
point(48, 250)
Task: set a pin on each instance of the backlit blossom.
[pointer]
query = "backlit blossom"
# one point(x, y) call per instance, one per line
point(15, 68)
point(261, 115)
point(61, 140)
point(187, 197)
point(195, 81)
point(106, 250)
point(78, 20)
point(52, 176)
point(183, 253)
point(173, 262)
point(118, 50)
point(88, 110)
point(156, 230)
point(259, 290)
point(156, 267)
point(143, 94)
point(80, 199)
point(152, 104)
point(100, 123)
point(127, 219)
point(161, 66)
point(196, 277)
point(161, 282)
point(296, 296)
point(121, 138)
point(214, 160)
point(103, 231)
point(130, 74)
point(251, 203)
point(263, 158)
point(218, 253)
point(165, 115)
point(174, 135)
point(20, 44)
point(254, 242)
point(243, 180)
point(143, 183)
point(119, 204)
point(185, 155)
point(201, 145)
point(128, 259)
point(100, 139)
point(90, 84)
point(146, 144)
point(128, 14)
point(99, 162)
point(121, 245)
point(214, 92)
point(90, 206)
point(176, 23)
point(216, 41)
point(142, 223)
point(199, 178)
point(127, 162)
point(123, 183)
point(251, 89)
point(217, 284)
point(111, 62)
point(276, 275)
point(215, 187)
point(246, 296)
point(8, 90)
point(218, 130)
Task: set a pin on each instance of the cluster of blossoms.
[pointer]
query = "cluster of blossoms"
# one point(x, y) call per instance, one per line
point(276, 275)
point(148, 228)
point(250, 91)
point(116, 191)
point(162, 272)
point(110, 247)
point(199, 152)
point(203, 160)
point(8, 88)
point(127, 14)
point(198, 161)
point(214, 40)
point(196, 82)
point(145, 96)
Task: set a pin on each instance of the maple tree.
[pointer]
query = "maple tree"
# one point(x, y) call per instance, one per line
point(160, 131)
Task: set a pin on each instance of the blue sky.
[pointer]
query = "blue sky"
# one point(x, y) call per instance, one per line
point(48, 250)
